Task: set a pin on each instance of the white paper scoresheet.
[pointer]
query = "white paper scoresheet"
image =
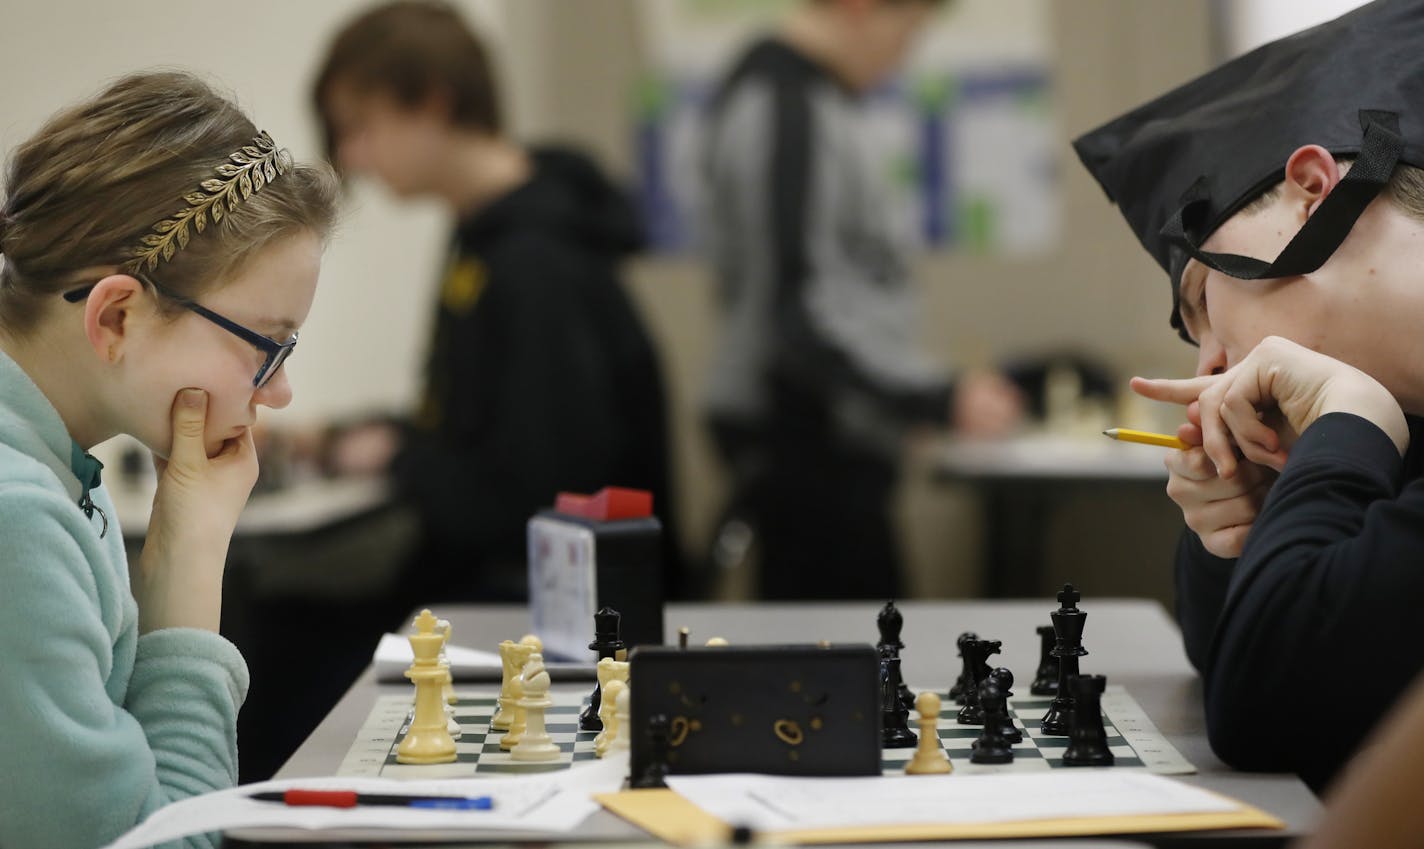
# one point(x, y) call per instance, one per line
point(774, 803)
point(544, 803)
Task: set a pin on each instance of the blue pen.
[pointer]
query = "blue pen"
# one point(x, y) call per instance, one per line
point(351, 799)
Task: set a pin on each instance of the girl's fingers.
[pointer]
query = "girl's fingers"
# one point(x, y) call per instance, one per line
point(189, 414)
point(236, 446)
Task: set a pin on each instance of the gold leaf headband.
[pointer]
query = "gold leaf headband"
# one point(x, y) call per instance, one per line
point(251, 168)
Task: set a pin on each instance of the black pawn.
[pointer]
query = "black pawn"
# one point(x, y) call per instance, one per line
point(956, 692)
point(895, 718)
point(606, 642)
point(1068, 623)
point(656, 770)
point(976, 653)
point(1045, 680)
point(991, 747)
point(890, 622)
point(1087, 740)
point(1004, 680)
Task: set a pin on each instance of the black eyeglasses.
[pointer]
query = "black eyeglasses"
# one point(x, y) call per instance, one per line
point(274, 353)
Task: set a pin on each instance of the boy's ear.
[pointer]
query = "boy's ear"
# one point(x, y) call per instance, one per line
point(108, 315)
point(1311, 174)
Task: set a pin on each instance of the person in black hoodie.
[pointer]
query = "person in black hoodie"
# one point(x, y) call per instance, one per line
point(541, 377)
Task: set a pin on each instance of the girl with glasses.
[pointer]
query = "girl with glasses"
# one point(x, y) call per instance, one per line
point(157, 256)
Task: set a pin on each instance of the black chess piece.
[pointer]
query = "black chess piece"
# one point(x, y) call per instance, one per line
point(1004, 680)
point(895, 718)
point(1045, 680)
point(1068, 623)
point(656, 769)
point(606, 642)
point(890, 622)
point(1087, 740)
point(991, 747)
point(956, 692)
point(976, 653)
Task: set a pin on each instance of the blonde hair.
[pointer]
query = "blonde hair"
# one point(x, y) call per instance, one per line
point(86, 189)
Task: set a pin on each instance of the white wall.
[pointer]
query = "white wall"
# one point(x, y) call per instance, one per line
point(1251, 23)
point(364, 343)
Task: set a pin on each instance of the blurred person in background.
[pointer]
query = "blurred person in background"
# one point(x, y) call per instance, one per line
point(816, 380)
point(541, 377)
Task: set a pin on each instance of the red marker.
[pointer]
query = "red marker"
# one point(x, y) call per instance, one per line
point(352, 799)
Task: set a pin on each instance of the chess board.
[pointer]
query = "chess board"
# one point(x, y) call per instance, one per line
point(1134, 740)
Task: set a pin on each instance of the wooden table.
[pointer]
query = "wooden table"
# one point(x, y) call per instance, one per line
point(1133, 642)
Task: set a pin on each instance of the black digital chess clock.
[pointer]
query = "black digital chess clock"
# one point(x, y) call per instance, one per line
point(786, 709)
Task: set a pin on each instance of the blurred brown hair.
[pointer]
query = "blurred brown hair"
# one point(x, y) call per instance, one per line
point(86, 189)
point(411, 49)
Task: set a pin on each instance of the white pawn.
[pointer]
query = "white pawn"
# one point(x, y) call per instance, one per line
point(621, 722)
point(608, 712)
point(929, 758)
point(536, 744)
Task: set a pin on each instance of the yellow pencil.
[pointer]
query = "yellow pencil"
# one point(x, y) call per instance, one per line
point(1145, 437)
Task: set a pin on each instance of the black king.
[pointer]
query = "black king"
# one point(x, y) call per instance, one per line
point(1068, 623)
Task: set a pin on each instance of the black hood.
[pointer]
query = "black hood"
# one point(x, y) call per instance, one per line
point(568, 197)
point(1179, 166)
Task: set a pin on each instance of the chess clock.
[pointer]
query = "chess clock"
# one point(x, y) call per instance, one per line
point(593, 551)
point(780, 710)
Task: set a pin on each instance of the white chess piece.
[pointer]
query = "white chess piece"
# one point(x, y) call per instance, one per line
point(427, 741)
point(609, 669)
point(504, 713)
point(622, 726)
point(607, 711)
point(448, 690)
point(536, 744)
point(929, 758)
point(519, 656)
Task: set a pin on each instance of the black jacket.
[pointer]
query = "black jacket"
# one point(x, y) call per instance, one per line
point(541, 378)
point(1304, 641)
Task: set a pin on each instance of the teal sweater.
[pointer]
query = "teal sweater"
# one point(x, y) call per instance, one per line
point(99, 727)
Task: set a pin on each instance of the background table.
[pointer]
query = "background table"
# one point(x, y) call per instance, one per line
point(297, 509)
point(1024, 481)
point(1133, 642)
